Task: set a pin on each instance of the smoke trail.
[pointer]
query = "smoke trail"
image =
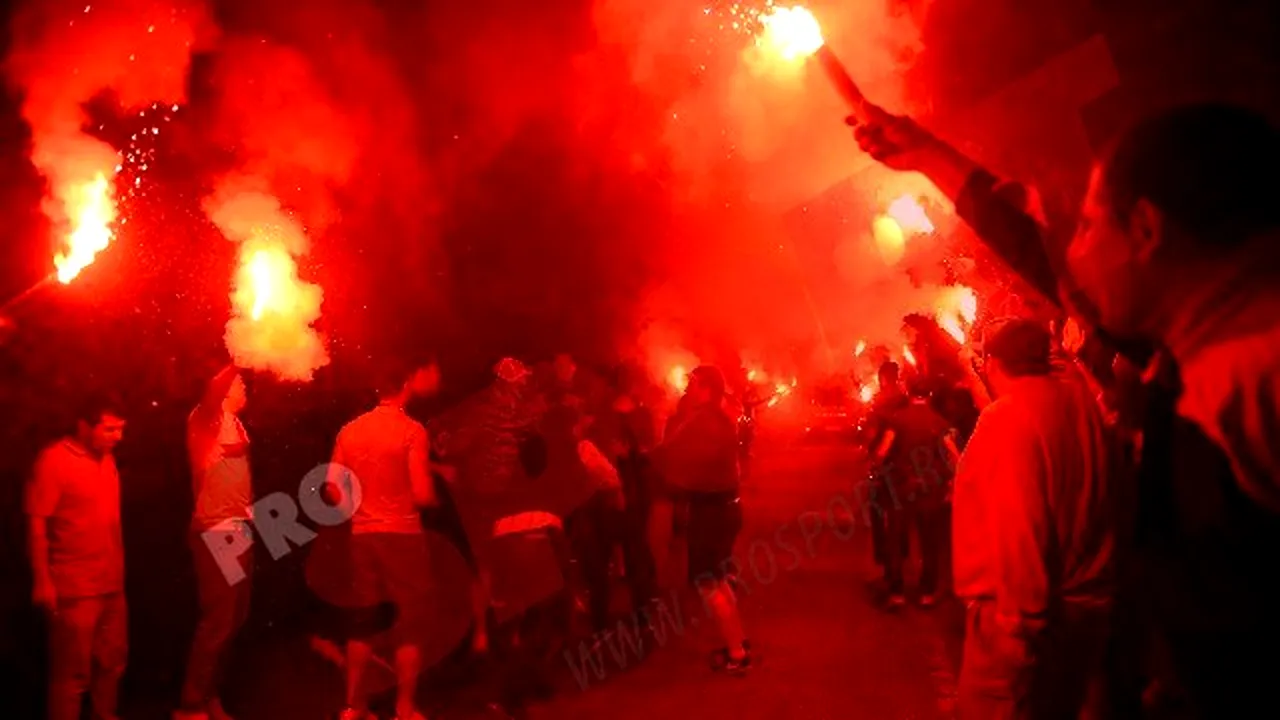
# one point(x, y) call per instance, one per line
point(66, 54)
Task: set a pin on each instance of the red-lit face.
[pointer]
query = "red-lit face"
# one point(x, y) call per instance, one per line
point(103, 437)
point(426, 381)
point(1111, 263)
point(236, 396)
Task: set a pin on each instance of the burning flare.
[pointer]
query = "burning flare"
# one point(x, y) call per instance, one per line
point(678, 377)
point(904, 218)
point(272, 308)
point(791, 33)
point(956, 311)
point(90, 208)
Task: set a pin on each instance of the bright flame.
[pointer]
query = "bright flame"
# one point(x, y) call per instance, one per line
point(861, 348)
point(273, 310)
point(790, 33)
point(907, 212)
point(906, 353)
point(956, 310)
point(751, 375)
point(90, 208)
point(679, 378)
point(867, 393)
point(890, 240)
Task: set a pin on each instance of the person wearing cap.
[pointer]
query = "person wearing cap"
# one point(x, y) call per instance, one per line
point(699, 460)
point(1034, 531)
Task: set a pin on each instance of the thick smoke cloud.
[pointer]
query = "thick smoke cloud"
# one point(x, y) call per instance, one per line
point(508, 178)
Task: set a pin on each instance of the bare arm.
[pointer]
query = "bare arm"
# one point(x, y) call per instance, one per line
point(424, 492)
point(882, 449)
point(601, 470)
point(41, 501)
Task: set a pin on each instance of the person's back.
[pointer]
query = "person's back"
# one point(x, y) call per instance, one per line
point(376, 448)
point(1078, 487)
point(917, 454)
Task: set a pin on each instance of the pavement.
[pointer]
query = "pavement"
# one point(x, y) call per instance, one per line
point(810, 603)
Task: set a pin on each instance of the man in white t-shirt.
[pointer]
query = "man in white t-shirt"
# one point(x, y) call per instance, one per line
point(219, 453)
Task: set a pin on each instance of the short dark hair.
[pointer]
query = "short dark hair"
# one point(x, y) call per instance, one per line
point(1022, 346)
point(92, 408)
point(888, 370)
point(393, 372)
point(1210, 167)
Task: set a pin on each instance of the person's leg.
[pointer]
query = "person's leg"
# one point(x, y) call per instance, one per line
point(990, 685)
point(595, 549)
point(405, 561)
point(661, 520)
point(358, 654)
point(929, 524)
point(220, 607)
point(713, 531)
point(896, 540)
point(71, 632)
point(110, 653)
point(367, 591)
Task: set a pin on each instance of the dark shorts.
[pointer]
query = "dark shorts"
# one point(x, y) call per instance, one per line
point(715, 519)
point(393, 568)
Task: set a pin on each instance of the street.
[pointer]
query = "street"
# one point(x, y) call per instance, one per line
point(809, 597)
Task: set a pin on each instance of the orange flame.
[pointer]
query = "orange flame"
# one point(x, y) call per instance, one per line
point(907, 212)
point(956, 310)
point(904, 218)
point(90, 207)
point(790, 33)
point(906, 353)
point(867, 393)
point(679, 378)
point(273, 310)
point(860, 348)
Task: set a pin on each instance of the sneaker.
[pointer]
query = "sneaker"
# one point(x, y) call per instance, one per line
point(217, 712)
point(928, 600)
point(897, 601)
point(739, 666)
point(720, 656)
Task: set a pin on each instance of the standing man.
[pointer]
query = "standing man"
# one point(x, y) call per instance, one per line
point(699, 456)
point(916, 456)
point(384, 453)
point(889, 399)
point(219, 452)
point(77, 562)
point(1175, 251)
point(1035, 522)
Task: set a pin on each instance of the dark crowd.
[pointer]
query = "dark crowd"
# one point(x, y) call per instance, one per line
point(1104, 488)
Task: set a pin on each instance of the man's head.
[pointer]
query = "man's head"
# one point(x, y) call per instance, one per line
point(706, 386)
point(237, 396)
point(888, 374)
point(100, 424)
point(408, 380)
point(1018, 348)
point(1177, 194)
point(565, 368)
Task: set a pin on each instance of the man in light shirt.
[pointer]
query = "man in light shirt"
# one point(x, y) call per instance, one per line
point(1034, 533)
point(219, 453)
point(77, 563)
point(384, 453)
